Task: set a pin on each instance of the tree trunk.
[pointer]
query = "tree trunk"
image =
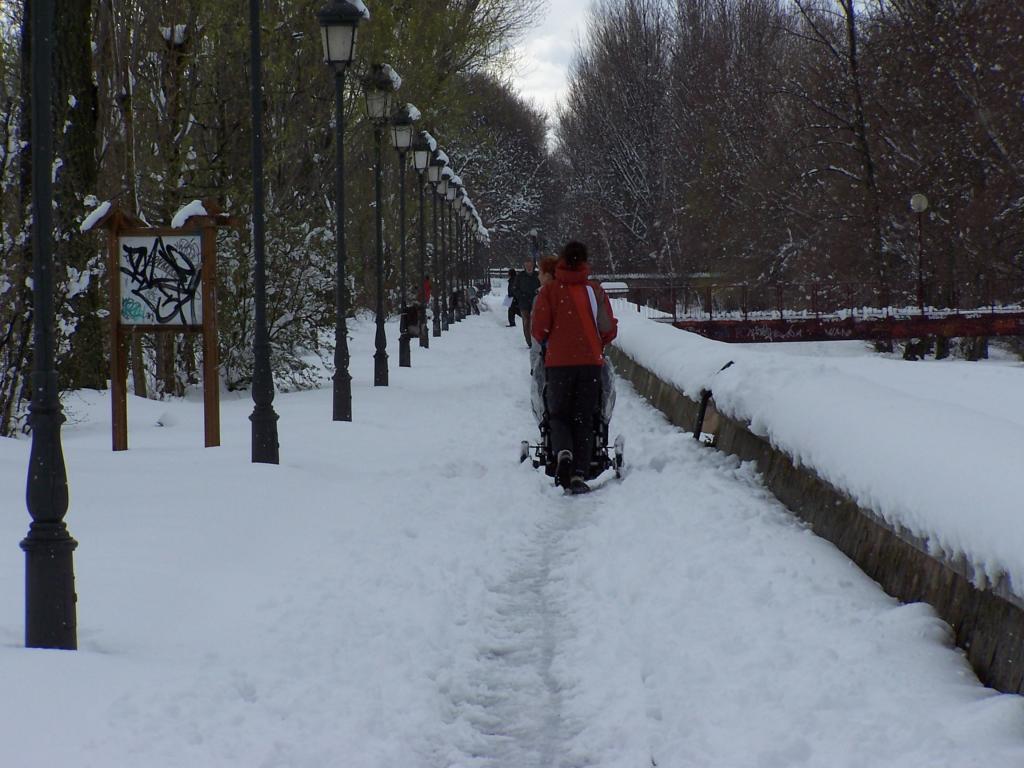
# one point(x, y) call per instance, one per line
point(138, 363)
point(74, 111)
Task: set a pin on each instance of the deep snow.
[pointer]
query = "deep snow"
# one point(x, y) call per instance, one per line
point(401, 592)
point(934, 448)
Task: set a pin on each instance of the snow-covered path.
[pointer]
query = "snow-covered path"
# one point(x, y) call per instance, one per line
point(400, 591)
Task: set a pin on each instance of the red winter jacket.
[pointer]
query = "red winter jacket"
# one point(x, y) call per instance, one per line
point(564, 318)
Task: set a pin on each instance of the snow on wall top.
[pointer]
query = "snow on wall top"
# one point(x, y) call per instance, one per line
point(932, 448)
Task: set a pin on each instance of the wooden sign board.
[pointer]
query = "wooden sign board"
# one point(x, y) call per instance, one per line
point(162, 280)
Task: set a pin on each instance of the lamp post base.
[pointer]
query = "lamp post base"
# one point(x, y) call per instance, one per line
point(50, 618)
point(265, 448)
point(404, 353)
point(380, 369)
point(342, 410)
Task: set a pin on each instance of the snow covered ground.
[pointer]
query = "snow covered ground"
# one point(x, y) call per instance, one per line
point(401, 592)
point(933, 447)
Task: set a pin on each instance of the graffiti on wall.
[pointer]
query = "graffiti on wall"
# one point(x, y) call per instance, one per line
point(161, 280)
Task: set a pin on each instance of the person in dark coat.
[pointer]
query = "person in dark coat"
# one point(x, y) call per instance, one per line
point(513, 308)
point(573, 318)
point(526, 286)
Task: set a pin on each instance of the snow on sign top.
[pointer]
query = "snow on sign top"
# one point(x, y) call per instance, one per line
point(98, 213)
point(396, 80)
point(179, 35)
point(195, 208)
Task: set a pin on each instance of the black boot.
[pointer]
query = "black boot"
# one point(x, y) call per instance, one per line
point(577, 485)
point(563, 469)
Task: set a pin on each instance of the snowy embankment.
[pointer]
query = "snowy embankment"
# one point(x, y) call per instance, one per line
point(401, 592)
point(934, 448)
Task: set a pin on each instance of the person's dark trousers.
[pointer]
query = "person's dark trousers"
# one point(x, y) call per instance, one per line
point(513, 312)
point(573, 394)
point(525, 314)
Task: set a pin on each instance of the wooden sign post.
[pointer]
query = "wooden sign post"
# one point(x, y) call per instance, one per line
point(162, 280)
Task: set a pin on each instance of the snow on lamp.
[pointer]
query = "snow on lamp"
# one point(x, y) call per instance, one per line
point(339, 20)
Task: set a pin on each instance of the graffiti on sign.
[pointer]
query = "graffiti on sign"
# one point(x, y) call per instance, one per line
point(161, 280)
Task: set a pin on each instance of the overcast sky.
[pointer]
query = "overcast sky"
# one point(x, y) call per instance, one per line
point(547, 50)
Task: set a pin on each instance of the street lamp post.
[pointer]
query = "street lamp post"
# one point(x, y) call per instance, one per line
point(454, 184)
point(467, 206)
point(401, 138)
point(919, 204)
point(263, 417)
point(50, 616)
point(447, 174)
point(462, 200)
point(380, 85)
point(339, 21)
point(434, 172)
point(423, 147)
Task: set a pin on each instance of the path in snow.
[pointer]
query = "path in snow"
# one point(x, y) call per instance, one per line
point(683, 617)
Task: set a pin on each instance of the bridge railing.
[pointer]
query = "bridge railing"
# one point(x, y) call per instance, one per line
point(750, 301)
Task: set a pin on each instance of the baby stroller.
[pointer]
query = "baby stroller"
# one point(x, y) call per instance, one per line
point(543, 455)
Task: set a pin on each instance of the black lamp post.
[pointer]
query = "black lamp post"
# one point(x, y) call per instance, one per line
point(453, 254)
point(461, 197)
point(467, 206)
point(470, 252)
point(263, 417)
point(50, 616)
point(339, 21)
point(380, 85)
point(919, 204)
point(423, 148)
point(454, 192)
point(447, 174)
point(401, 138)
point(434, 172)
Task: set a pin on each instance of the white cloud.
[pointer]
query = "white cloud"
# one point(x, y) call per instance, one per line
point(545, 54)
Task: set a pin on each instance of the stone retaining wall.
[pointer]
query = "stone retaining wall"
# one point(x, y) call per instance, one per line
point(987, 623)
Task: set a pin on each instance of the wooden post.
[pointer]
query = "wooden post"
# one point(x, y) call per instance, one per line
point(211, 367)
point(118, 369)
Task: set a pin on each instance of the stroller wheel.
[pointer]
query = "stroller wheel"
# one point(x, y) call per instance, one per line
point(524, 451)
point(620, 447)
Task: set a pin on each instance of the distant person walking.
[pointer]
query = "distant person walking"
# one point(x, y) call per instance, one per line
point(425, 291)
point(513, 308)
point(525, 291)
point(573, 318)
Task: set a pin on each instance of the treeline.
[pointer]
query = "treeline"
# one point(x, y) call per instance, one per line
point(151, 110)
point(770, 141)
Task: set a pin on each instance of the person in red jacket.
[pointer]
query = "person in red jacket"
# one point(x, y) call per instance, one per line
point(573, 319)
